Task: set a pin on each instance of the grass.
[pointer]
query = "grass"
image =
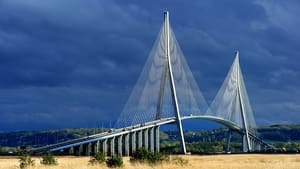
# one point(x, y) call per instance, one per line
point(250, 161)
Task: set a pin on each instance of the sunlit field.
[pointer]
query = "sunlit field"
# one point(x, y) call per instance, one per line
point(194, 161)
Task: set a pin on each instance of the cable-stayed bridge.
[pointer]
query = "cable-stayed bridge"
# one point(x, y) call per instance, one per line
point(166, 92)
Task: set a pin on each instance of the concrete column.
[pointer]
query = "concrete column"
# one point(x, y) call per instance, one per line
point(76, 150)
point(256, 145)
point(146, 144)
point(112, 146)
point(96, 147)
point(104, 147)
point(152, 139)
point(245, 146)
point(228, 141)
point(87, 149)
point(156, 128)
point(120, 145)
point(84, 149)
point(80, 149)
point(140, 139)
point(126, 141)
point(133, 142)
point(71, 151)
point(252, 144)
point(259, 146)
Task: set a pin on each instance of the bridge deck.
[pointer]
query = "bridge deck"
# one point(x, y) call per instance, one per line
point(135, 128)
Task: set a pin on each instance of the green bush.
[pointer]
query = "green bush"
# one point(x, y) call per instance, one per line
point(48, 159)
point(143, 155)
point(97, 158)
point(154, 158)
point(25, 161)
point(114, 161)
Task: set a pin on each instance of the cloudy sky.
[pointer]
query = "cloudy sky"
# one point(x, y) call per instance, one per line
point(73, 63)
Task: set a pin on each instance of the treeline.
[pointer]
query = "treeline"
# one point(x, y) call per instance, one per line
point(44, 137)
point(201, 142)
point(285, 137)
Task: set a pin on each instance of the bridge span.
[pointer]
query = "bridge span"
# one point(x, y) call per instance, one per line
point(124, 141)
point(166, 93)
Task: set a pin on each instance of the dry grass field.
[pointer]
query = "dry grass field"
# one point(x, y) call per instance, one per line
point(252, 161)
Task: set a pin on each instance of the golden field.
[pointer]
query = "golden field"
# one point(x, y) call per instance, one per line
point(253, 161)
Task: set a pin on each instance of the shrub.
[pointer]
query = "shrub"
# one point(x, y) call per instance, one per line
point(25, 161)
point(48, 159)
point(97, 158)
point(114, 161)
point(143, 155)
point(154, 158)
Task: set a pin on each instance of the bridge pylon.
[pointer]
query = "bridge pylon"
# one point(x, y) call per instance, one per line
point(166, 87)
point(232, 104)
point(171, 79)
point(242, 106)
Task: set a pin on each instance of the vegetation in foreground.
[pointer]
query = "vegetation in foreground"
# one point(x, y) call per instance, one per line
point(97, 158)
point(143, 155)
point(114, 161)
point(25, 161)
point(48, 159)
point(245, 161)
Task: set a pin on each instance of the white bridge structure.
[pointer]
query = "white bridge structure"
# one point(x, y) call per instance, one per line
point(166, 92)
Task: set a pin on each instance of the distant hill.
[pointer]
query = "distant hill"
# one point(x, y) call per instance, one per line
point(280, 133)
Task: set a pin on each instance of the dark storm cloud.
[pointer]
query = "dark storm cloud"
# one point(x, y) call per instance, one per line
point(73, 63)
point(55, 40)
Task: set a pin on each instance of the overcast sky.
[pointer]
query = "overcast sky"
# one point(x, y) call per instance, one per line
point(73, 63)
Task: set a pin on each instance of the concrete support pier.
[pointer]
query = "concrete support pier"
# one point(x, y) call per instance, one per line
point(126, 142)
point(245, 146)
point(146, 139)
point(112, 146)
point(104, 146)
point(156, 131)
point(133, 142)
point(152, 139)
point(228, 141)
point(140, 139)
point(120, 146)
point(80, 150)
